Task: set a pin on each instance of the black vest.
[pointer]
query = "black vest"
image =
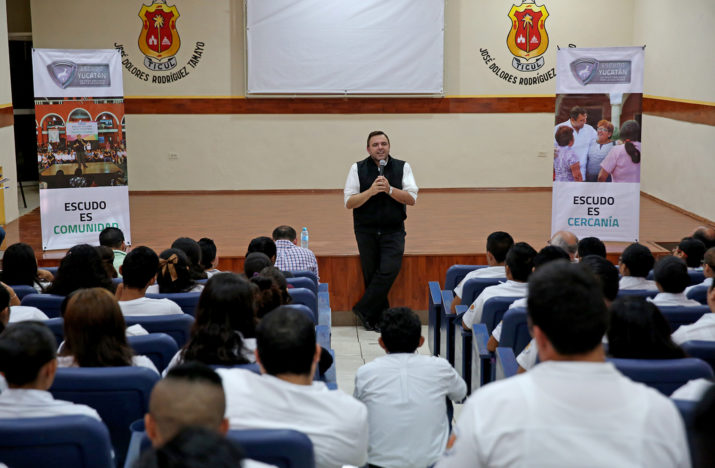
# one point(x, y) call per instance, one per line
point(381, 213)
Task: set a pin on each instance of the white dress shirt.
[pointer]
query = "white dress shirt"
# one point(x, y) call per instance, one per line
point(137, 361)
point(248, 352)
point(636, 282)
point(528, 356)
point(706, 282)
point(564, 414)
point(25, 403)
point(509, 289)
point(352, 184)
point(335, 422)
point(582, 142)
point(521, 302)
point(498, 271)
point(21, 313)
point(673, 299)
point(407, 413)
point(147, 306)
point(703, 329)
point(693, 390)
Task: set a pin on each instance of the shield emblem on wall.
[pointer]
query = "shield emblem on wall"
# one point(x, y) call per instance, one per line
point(527, 37)
point(159, 38)
point(584, 69)
point(62, 72)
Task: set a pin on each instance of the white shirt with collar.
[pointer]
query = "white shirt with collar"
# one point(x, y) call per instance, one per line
point(407, 413)
point(521, 302)
point(528, 356)
point(498, 271)
point(636, 283)
point(21, 313)
point(564, 414)
point(703, 329)
point(582, 142)
point(706, 282)
point(336, 423)
point(30, 403)
point(693, 390)
point(137, 361)
point(248, 352)
point(508, 289)
point(665, 299)
point(154, 289)
point(352, 184)
point(147, 306)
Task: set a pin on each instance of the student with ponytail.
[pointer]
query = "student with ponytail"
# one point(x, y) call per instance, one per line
point(623, 162)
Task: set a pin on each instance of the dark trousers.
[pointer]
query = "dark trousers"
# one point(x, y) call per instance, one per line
point(381, 259)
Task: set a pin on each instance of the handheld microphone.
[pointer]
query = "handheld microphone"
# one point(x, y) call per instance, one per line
point(382, 164)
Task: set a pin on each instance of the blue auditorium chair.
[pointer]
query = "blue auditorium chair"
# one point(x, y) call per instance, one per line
point(456, 273)
point(52, 270)
point(59, 441)
point(700, 349)
point(686, 408)
point(637, 292)
point(57, 326)
point(679, 315)
point(307, 274)
point(515, 330)
point(116, 282)
point(159, 347)
point(505, 363)
point(50, 304)
point(303, 282)
point(119, 394)
point(305, 310)
point(699, 293)
point(696, 276)
point(187, 301)
point(665, 375)
point(177, 326)
point(22, 290)
point(307, 298)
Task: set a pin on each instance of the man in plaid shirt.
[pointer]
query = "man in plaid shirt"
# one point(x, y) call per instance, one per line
point(290, 257)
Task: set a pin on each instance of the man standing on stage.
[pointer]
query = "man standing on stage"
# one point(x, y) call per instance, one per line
point(378, 189)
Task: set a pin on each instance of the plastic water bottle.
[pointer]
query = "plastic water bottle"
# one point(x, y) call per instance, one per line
point(304, 238)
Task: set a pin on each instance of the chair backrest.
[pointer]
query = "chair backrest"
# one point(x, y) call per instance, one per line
point(76, 441)
point(699, 293)
point(306, 310)
point(665, 375)
point(283, 448)
point(303, 282)
point(637, 292)
point(159, 347)
point(23, 290)
point(119, 394)
point(474, 287)
point(494, 310)
point(57, 326)
point(50, 304)
point(307, 298)
point(52, 270)
point(686, 408)
point(456, 273)
point(187, 301)
point(680, 315)
point(700, 349)
point(696, 276)
point(116, 281)
point(176, 326)
point(306, 274)
point(515, 331)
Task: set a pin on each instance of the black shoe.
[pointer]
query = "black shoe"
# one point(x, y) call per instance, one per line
point(367, 324)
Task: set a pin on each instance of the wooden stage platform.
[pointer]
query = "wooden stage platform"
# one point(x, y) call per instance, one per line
point(445, 227)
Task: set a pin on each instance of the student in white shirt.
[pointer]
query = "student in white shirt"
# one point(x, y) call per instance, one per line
point(405, 396)
point(174, 274)
point(28, 362)
point(591, 246)
point(519, 264)
point(703, 329)
point(138, 273)
point(691, 250)
point(634, 265)
point(671, 277)
point(285, 396)
point(209, 259)
point(708, 270)
point(574, 408)
point(498, 244)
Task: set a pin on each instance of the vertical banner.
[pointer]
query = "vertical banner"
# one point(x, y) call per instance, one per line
point(81, 145)
point(597, 142)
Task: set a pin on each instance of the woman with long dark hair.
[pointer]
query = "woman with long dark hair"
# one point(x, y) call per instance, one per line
point(81, 268)
point(19, 267)
point(623, 162)
point(174, 274)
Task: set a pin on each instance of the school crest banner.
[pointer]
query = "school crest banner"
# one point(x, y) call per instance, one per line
point(597, 142)
point(81, 145)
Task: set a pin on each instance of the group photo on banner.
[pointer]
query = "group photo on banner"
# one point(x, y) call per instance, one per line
point(81, 145)
point(597, 142)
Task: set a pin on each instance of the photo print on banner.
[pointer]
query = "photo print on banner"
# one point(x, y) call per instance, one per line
point(597, 142)
point(81, 145)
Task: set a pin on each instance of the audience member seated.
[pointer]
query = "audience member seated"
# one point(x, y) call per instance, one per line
point(113, 238)
point(194, 447)
point(138, 272)
point(573, 408)
point(174, 274)
point(95, 333)
point(671, 277)
point(272, 291)
point(498, 244)
point(708, 269)
point(639, 331)
point(19, 267)
point(567, 241)
point(286, 396)
point(691, 250)
point(255, 262)
point(289, 256)
point(209, 259)
point(28, 360)
point(591, 246)
point(4, 309)
point(703, 329)
point(706, 235)
point(405, 396)
point(519, 264)
point(107, 256)
point(634, 265)
point(224, 330)
point(545, 255)
point(192, 249)
point(80, 268)
point(607, 276)
point(264, 245)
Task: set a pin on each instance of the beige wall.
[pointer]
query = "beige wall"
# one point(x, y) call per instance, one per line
point(7, 137)
point(18, 16)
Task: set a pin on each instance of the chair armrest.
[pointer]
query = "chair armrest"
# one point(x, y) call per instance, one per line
point(324, 311)
point(506, 363)
point(322, 336)
point(480, 335)
point(447, 298)
point(435, 292)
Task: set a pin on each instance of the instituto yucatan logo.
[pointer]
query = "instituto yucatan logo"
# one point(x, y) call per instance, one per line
point(588, 70)
point(159, 39)
point(527, 39)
